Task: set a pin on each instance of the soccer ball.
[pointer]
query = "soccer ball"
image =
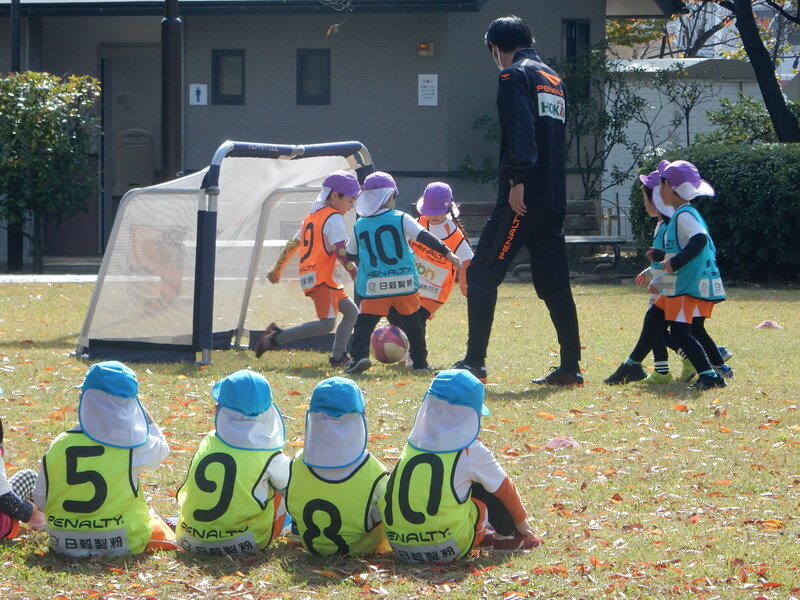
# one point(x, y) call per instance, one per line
point(388, 343)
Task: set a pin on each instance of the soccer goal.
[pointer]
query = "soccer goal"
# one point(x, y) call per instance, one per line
point(184, 268)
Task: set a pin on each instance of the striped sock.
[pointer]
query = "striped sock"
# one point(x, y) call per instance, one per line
point(662, 366)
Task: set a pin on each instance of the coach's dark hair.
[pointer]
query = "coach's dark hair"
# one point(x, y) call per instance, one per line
point(509, 33)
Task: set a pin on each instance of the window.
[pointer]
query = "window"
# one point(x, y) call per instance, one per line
point(227, 76)
point(313, 76)
point(574, 38)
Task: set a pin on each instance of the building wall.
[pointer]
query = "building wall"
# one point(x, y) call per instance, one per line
point(373, 86)
point(71, 44)
point(374, 80)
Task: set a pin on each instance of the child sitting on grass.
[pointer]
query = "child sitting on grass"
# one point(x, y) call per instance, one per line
point(89, 482)
point(335, 483)
point(231, 502)
point(15, 499)
point(447, 484)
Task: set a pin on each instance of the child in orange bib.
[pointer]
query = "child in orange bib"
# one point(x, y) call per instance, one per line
point(323, 238)
point(437, 276)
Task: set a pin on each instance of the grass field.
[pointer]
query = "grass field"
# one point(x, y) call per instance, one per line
point(672, 494)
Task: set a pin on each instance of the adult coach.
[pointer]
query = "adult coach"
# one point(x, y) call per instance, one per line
point(531, 201)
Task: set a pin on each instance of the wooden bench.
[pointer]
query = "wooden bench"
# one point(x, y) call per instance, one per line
point(580, 224)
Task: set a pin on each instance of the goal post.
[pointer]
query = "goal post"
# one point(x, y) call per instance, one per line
point(183, 256)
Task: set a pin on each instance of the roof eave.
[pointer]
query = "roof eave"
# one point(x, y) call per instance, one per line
point(100, 8)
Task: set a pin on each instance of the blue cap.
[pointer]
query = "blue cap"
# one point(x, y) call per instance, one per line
point(337, 396)
point(461, 388)
point(245, 392)
point(112, 377)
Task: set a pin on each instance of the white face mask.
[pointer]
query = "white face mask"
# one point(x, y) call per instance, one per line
point(496, 57)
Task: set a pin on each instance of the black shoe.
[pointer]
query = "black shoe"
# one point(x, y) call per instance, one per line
point(559, 376)
point(479, 372)
point(706, 382)
point(339, 362)
point(626, 373)
point(357, 365)
point(267, 341)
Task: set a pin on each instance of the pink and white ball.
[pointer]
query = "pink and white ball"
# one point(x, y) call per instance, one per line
point(389, 344)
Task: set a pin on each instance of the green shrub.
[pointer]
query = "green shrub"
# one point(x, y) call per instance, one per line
point(753, 217)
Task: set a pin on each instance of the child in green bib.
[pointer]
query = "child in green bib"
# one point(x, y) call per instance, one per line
point(447, 493)
point(335, 483)
point(88, 485)
point(232, 499)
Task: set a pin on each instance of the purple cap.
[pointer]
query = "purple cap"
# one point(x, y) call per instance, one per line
point(684, 178)
point(653, 180)
point(436, 199)
point(379, 181)
point(343, 182)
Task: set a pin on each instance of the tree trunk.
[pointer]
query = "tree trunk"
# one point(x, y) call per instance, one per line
point(38, 244)
point(786, 125)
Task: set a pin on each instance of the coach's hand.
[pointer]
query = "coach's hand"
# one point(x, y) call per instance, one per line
point(516, 199)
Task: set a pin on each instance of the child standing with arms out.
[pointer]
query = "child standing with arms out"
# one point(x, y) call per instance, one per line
point(323, 238)
point(438, 214)
point(447, 483)
point(387, 272)
point(335, 483)
point(231, 501)
point(89, 479)
point(692, 283)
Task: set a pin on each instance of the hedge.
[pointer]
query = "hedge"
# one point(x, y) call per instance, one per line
point(755, 214)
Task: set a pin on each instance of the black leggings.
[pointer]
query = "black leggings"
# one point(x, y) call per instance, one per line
point(652, 331)
point(693, 339)
point(411, 325)
point(541, 232)
point(395, 318)
point(497, 513)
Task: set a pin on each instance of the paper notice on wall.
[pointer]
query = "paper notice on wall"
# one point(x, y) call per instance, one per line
point(428, 90)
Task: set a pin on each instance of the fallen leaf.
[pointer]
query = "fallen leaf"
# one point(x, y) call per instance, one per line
point(596, 562)
point(330, 574)
point(771, 524)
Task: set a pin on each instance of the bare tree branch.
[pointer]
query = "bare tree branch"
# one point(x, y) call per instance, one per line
point(778, 8)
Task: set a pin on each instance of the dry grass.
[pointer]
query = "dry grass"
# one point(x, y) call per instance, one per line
point(673, 493)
